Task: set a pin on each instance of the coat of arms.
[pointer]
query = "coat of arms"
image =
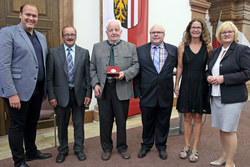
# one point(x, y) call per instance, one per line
point(128, 12)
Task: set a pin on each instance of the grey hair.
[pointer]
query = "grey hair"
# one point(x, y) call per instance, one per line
point(114, 20)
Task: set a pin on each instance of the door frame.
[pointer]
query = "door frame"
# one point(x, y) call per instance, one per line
point(66, 17)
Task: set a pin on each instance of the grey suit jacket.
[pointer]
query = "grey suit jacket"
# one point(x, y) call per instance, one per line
point(126, 59)
point(18, 62)
point(57, 76)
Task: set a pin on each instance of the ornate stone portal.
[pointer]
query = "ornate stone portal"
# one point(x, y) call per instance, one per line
point(237, 11)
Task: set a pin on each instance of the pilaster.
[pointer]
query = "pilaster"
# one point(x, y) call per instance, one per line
point(199, 8)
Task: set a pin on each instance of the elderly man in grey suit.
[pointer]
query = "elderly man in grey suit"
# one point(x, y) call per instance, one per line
point(113, 93)
point(69, 87)
point(22, 82)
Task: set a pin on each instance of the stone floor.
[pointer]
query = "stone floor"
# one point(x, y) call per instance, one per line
point(45, 137)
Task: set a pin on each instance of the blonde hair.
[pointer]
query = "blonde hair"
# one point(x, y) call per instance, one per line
point(224, 26)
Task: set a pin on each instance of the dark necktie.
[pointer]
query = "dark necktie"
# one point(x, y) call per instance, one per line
point(70, 66)
point(112, 59)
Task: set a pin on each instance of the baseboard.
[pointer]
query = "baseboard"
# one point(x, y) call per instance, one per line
point(90, 116)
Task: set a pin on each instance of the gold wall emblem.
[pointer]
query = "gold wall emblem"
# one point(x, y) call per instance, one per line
point(121, 11)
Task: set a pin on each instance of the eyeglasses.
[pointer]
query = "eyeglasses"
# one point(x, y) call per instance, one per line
point(196, 28)
point(156, 32)
point(227, 32)
point(68, 35)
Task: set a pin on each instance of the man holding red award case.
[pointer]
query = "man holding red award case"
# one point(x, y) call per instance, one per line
point(114, 63)
point(113, 71)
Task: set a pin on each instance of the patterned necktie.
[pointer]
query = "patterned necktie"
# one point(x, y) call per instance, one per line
point(223, 54)
point(157, 58)
point(70, 66)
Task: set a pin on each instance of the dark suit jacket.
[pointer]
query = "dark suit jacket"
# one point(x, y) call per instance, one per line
point(235, 67)
point(57, 75)
point(151, 86)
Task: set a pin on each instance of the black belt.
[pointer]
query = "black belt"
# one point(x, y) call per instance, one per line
point(71, 88)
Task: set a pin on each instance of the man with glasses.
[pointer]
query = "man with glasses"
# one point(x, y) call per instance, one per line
point(69, 88)
point(154, 88)
point(113, 93)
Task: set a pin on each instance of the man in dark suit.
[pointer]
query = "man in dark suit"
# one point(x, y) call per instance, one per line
point(22, 82)
point(113, 93)
point(154, 87)
point(69, 88)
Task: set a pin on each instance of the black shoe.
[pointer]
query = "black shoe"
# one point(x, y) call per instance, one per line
point(106, 156)
point(163, 154)
point(80, 155)
point(125, 155)
point(142, 153)
point(24, 165)
point(38, 155)
point(61, 157)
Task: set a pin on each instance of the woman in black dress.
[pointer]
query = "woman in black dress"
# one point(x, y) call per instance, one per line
point(193, 55)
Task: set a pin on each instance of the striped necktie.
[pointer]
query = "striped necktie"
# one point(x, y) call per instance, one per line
point(157, 58)
point(70, 66)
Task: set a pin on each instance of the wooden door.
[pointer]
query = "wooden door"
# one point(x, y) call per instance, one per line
point(48, 21)
point(48, 24)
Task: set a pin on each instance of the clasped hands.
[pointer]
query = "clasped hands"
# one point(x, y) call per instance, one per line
point(215, 80)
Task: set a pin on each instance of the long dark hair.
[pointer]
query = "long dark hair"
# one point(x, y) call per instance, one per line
point(205, 35)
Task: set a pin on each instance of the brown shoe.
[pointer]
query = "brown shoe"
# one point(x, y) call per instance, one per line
point(106, 156)
point(125, 155)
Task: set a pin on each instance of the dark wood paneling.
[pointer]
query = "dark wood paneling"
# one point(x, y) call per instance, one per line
point(66, 15)
point(48, 24)
point(4, 118)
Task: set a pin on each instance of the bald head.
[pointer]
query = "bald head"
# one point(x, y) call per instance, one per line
point(157, 26)
point(157, 34)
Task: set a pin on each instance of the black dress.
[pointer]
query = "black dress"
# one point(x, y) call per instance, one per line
point(193, 94)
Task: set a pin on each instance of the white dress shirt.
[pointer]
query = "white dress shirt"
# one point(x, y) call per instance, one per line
point(216, 71)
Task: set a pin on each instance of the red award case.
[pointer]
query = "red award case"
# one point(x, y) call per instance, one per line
point(113, 71)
